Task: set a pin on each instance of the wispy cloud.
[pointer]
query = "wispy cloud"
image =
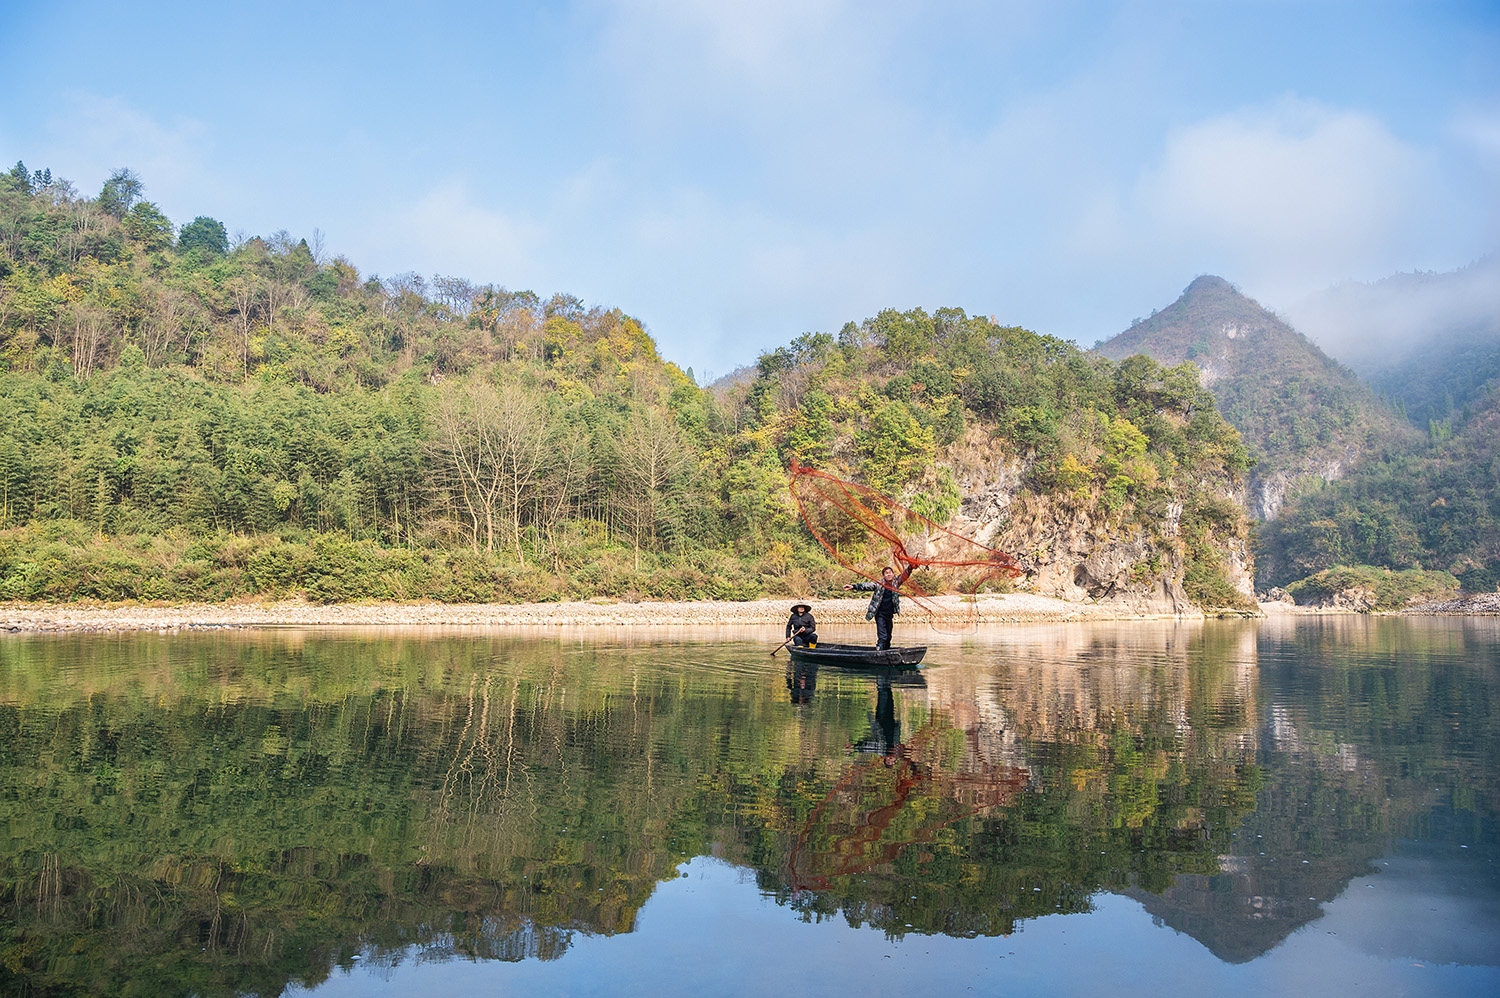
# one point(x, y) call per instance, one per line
point(496, 247)
point(1289, 196)
point(88, 136)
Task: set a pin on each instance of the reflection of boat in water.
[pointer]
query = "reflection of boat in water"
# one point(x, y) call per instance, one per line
point(802, 678)
point(857, 656)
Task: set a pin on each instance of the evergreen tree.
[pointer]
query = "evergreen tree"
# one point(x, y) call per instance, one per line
point(205, 234)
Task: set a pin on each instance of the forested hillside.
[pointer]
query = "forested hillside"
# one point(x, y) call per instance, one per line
point(1431, 504)
point(1430, 343)
point(187, 416)
point(1305, 417)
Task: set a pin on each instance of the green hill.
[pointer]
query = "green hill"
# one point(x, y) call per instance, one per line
point(182, 418)
point(1430, 503)
point(1431, 344)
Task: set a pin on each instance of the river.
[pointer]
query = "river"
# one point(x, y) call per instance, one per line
point(1287, 805)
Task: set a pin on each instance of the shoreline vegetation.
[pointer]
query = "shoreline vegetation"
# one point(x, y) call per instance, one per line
point(990, 609)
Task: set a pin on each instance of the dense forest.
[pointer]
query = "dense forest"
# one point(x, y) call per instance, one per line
point(1430, 504)
point(189, 415)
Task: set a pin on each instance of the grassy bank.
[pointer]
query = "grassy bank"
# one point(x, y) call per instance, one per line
point(65, 561)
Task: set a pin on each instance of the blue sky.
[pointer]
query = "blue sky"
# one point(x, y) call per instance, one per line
point(738, 174)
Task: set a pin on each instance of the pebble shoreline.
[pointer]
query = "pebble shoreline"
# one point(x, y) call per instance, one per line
point(1009, 608)
point(990, 609)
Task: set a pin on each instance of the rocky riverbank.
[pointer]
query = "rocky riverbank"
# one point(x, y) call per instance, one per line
point(1480, 604)
point(988, 609)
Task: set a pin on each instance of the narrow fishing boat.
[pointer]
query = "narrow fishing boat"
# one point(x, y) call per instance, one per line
point(856, 656)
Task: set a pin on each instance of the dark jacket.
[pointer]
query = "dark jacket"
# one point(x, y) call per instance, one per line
point(802, 620)
point(878, 591)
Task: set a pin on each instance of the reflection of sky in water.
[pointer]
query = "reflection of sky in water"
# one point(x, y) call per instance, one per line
point(1417, 927)
point(1434, 904)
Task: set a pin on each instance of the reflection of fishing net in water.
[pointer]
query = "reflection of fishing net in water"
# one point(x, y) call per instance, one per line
point(883, 805)
point(865, 531)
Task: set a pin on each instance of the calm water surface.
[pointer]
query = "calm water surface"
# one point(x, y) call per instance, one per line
point(1288, 806)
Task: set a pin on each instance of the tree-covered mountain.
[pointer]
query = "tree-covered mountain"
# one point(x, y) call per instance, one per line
point(186, 416)
point(1305, 417)
point(1345, 478)
point(1430, 343)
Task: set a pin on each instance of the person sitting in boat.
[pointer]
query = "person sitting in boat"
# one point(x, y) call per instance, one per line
point(885, 602)
point(801, 628)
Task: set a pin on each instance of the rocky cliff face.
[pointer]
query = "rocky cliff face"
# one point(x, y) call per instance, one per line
point(1074, 553)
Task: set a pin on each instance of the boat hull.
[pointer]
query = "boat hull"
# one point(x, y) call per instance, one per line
point(858, 656)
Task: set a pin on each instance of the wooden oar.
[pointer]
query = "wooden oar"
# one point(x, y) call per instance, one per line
point(787, 641)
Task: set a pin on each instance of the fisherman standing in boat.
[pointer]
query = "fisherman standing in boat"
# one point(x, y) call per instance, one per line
point(801, 628)
point(885, 602)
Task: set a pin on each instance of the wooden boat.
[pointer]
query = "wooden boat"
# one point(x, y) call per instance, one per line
point(857, 656)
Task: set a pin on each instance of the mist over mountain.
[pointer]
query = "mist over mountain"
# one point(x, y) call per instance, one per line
point(1372, 327)
point(1429, 342)
point(1305, 416)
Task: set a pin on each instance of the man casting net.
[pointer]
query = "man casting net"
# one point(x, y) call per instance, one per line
point(939, 571)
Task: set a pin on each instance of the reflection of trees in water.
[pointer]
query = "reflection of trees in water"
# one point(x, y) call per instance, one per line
point(251, 811)
point(1031, 784)
point(461, 806)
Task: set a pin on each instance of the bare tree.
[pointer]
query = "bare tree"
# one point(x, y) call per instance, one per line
point(165, 325)
point(319, 247)
point(563, 484)
point(492, 445)
point(91, 327)
point(405, 301)
point(456, 294)
point(282, 295)
point(88, 220)
point(244, 293)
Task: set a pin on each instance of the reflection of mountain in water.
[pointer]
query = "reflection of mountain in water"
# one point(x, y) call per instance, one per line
point(1082, 764)
point(238, 812)
point(1367, 733)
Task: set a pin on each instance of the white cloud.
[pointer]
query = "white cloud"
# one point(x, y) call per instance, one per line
point(1296, 188)
point(90, 136)
point(448, 224)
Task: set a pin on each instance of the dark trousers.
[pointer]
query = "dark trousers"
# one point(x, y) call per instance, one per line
point(882, 630)
point(805, 638)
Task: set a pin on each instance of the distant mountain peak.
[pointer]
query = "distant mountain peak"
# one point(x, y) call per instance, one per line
point(1303, 414)
point(1199, 326)
point(1209, 282)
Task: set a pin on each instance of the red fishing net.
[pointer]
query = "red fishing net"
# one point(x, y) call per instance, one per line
point(865, 531)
